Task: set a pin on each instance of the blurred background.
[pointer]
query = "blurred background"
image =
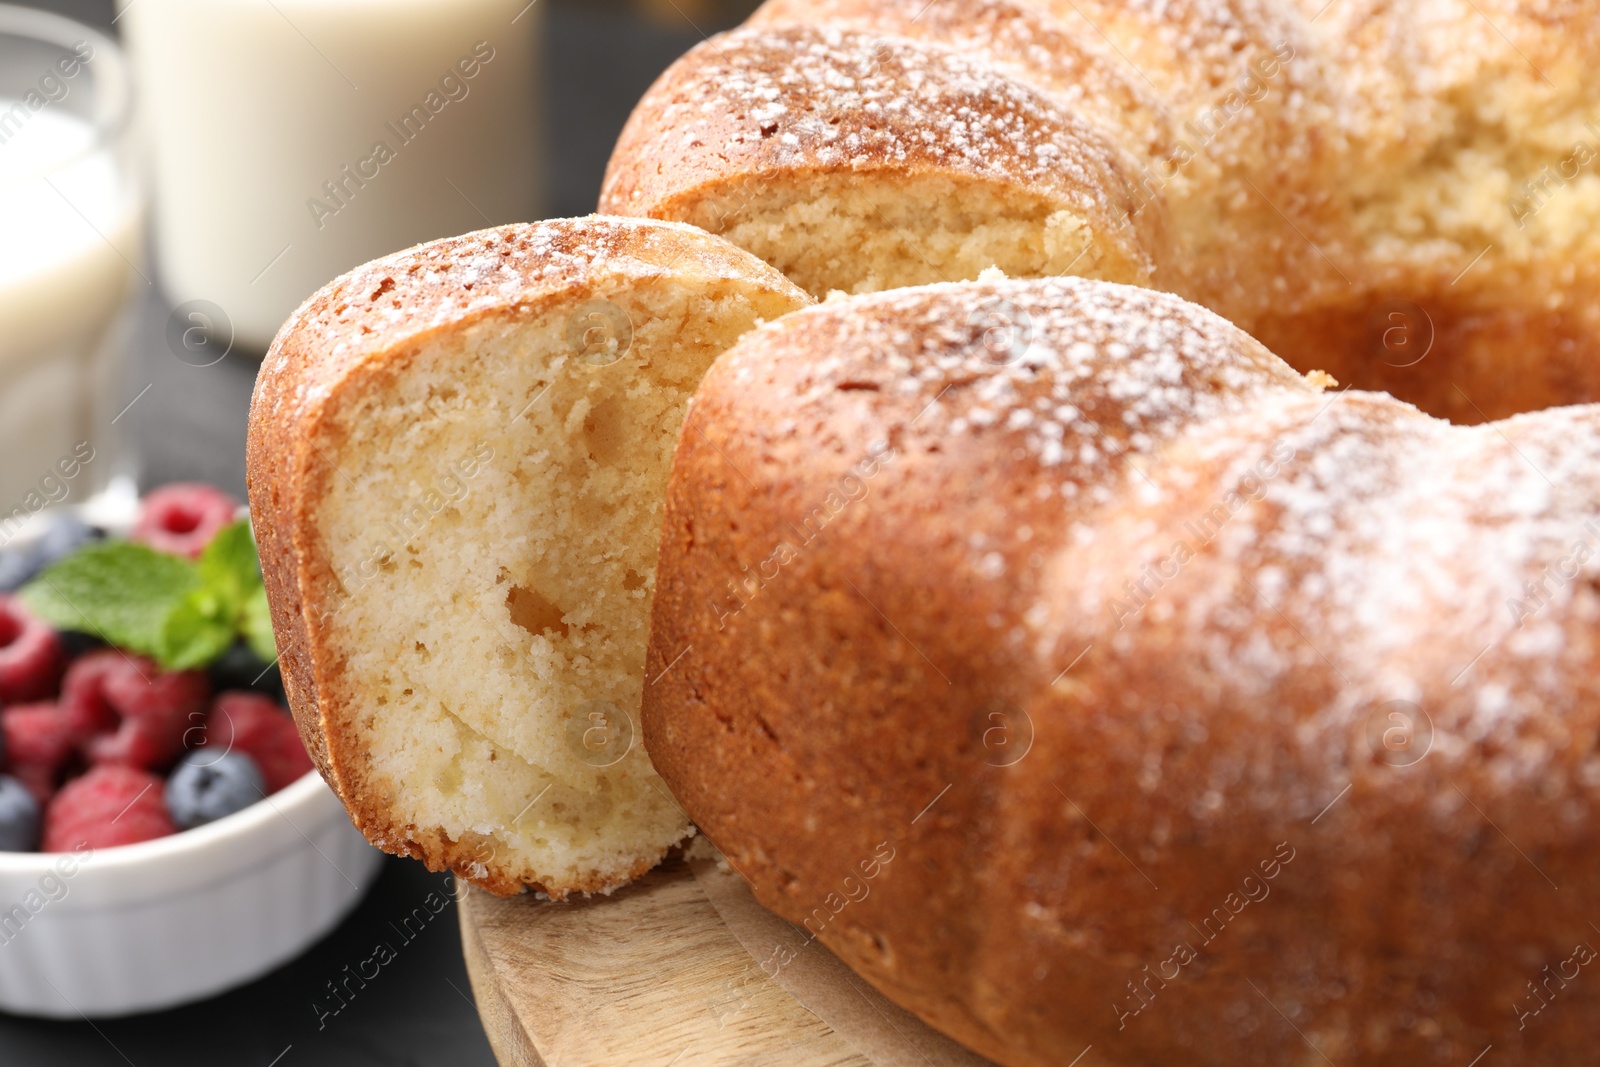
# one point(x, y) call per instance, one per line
point(270, 145)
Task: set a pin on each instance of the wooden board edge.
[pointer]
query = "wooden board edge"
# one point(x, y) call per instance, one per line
point(510, 1041)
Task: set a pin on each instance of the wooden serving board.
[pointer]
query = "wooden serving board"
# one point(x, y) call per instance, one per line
point(677, 969)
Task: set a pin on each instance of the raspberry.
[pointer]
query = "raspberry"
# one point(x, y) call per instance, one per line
point(142, 691)
point(36, 734)
point(258, 727)
point(107, 807)
point(83, 697)
point(182, 518)
point(124, 710)
point(39, 744)
point(30, 655)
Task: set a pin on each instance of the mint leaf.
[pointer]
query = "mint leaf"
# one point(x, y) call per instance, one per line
point(229, 568)
point(257, 626)
point(232, 572)
point(197, 631)
point(183, 615)
point(118, 591)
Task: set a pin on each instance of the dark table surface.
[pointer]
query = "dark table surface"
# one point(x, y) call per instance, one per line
point(189, 425)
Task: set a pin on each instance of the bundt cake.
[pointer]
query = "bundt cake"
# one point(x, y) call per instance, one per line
point(1406, 196)
point(457, 458)
point(1212, 717)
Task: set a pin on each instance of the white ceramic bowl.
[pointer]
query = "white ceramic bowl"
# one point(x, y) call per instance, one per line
point(153, 925)
point(150, 926)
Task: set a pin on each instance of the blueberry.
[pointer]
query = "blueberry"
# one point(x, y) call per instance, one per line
point(74, 644)
point(240, 668)
point(17, 568)
point(63, 535)
point(207, 786)
point(19, 817)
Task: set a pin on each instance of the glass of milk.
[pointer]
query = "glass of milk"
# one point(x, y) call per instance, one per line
point(70, 249)
point(295, 139)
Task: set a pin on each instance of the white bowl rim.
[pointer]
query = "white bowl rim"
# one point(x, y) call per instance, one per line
point(297, 795)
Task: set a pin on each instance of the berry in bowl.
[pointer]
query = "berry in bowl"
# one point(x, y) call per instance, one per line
point(163, 835)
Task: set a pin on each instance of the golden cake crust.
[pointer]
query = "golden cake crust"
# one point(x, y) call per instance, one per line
point(1353, 183)
point(794, 103)
point(1206, 717)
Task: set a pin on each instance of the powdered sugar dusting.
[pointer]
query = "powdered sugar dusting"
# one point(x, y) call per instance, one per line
point(829, 97)
point(410, 292)
point(1090, 375)
point(1337, 553)
point(1288, 552)
point(1309, 157)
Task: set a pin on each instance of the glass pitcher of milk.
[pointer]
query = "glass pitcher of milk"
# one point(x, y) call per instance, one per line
point(70, 249)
